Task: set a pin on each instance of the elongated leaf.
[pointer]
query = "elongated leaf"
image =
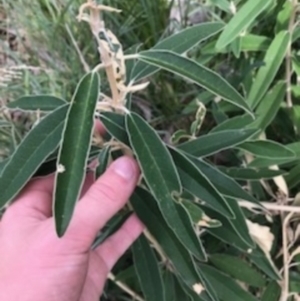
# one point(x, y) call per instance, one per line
point(228, 235)
point(174, 289)
point(147, 210)
point(295, 147)
point(225, 185)
point(269, 106)
point(237, 225)
point(251, 174)
point(292, 179)
point(162, 178)
point(113, 225)
point(103, 159)
point(272, 292)
point(234, 123)
point(147, 269)
point(198, 216)
point(259, 259)
point(252, 42)
point(190, 295)
point(209, 144)
point(195, 73)
point(115, 126)
point(226, 288)
point(2, 165)
point(195, 182)
point(179, 43)
point(241, 21)
point(267, 162)
point(266, 74)
point(73, 153)
point(283, 18)
point(222, 4)
point(238, 269)
point(37, 102)
point(38, 144)
point(267, 149)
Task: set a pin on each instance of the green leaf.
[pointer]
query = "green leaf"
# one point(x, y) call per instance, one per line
point(179, 43)
point(269, 106)
point(238, 269)
point(74, 150)
point(259, 259)
point(198, 216)
point(2, 165)
point(295, 147)
point(112, 226)
point(115, 126)
point(251, 42)
point(293, 177)
point(195, 73)
point(235, 123)
point(147, 210)
point(283, 18)
point(251, 174)
point(212, 143)
point(228, 235)
point(195, 182)
point(173, 290)
point(266, 74)
point(224, 184)
point(272, 292)
point(267, 149)
point(267, 162)
point(241, 21)
point(235, 47)
point(222, 4)
point(162, 178)
point(226, 288)
point(147, 270)
point(296, 34)
point(38, 144)
point(103, 159)
point(296, 64)
point(237, 225)
point(37, 102)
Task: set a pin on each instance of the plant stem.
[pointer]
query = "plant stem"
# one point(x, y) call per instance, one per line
point(125, 288)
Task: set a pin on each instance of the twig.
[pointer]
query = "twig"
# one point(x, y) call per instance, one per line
point(86, 67)
point(271, 207)
point(125, 288)
point(156, 246)
point(286, 258)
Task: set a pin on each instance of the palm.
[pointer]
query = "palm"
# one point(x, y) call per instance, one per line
point(63, 268)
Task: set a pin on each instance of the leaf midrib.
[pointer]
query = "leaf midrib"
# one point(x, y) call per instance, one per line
point(77, 145)
point(157, 167)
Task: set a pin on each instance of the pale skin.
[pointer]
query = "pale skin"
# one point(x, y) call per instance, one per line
point(37, 265)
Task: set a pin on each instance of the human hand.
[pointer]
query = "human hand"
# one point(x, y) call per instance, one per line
point(36, 265)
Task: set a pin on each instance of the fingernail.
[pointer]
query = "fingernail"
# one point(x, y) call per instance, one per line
point(124, 167)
